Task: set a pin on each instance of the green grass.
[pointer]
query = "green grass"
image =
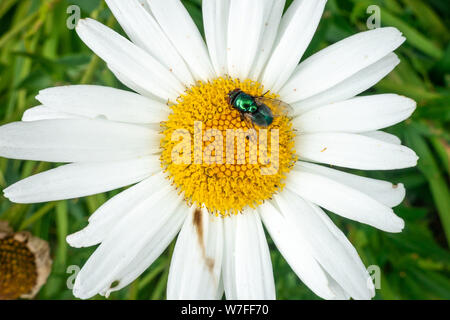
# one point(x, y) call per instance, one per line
point(37, 50)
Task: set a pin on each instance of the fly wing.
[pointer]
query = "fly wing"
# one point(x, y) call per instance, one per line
point(257, 119)
point(278, 107)
point(248, 118)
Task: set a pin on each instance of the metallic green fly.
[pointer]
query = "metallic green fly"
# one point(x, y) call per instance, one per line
point(259, 111)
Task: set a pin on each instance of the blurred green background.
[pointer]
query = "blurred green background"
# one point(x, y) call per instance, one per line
point(37, 50)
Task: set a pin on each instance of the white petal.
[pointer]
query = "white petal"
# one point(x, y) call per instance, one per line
point(350, 87)
point(341, 294)
point(103, 220)
point(81, 179)
point(296, 31)
point(104, 102)
point(343, 200)
point(145, 32)
point(297, 252)
point(339, 62)
point(177, 24)
point(76, 140)
point(337, 258)
point(247, 271)
point(384, 192)
point(145, 5)
point(152, 250)
point(245, 28)
point(271, 25)
point(46, 113)
point(133, 83)
point(228, 269)
point(215, 20)
point(354, 151)
point(340, 236)
point(124, 57)
point(195, 269)
point(383, 136)
point(132, 245)
point(360, 114)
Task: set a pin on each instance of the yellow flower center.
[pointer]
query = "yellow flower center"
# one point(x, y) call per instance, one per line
point(216, 157)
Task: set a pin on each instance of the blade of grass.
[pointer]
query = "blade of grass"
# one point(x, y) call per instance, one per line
point(37, 215)
point(428, 166)
point(151, 275)
point(18, 28)
point(428, 18)
point(62, 227)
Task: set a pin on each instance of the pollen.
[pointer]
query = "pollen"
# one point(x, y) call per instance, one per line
point(219, 160)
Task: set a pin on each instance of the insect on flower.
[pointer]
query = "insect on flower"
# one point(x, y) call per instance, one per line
point(259, 111)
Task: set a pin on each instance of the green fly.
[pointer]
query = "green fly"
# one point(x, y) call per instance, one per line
point(259, 111)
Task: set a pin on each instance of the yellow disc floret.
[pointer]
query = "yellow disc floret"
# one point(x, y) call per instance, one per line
point(227, 162)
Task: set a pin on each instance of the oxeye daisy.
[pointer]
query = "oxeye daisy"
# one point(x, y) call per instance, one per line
point(291, 122)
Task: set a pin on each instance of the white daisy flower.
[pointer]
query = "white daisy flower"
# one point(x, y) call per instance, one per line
point(112, 138)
